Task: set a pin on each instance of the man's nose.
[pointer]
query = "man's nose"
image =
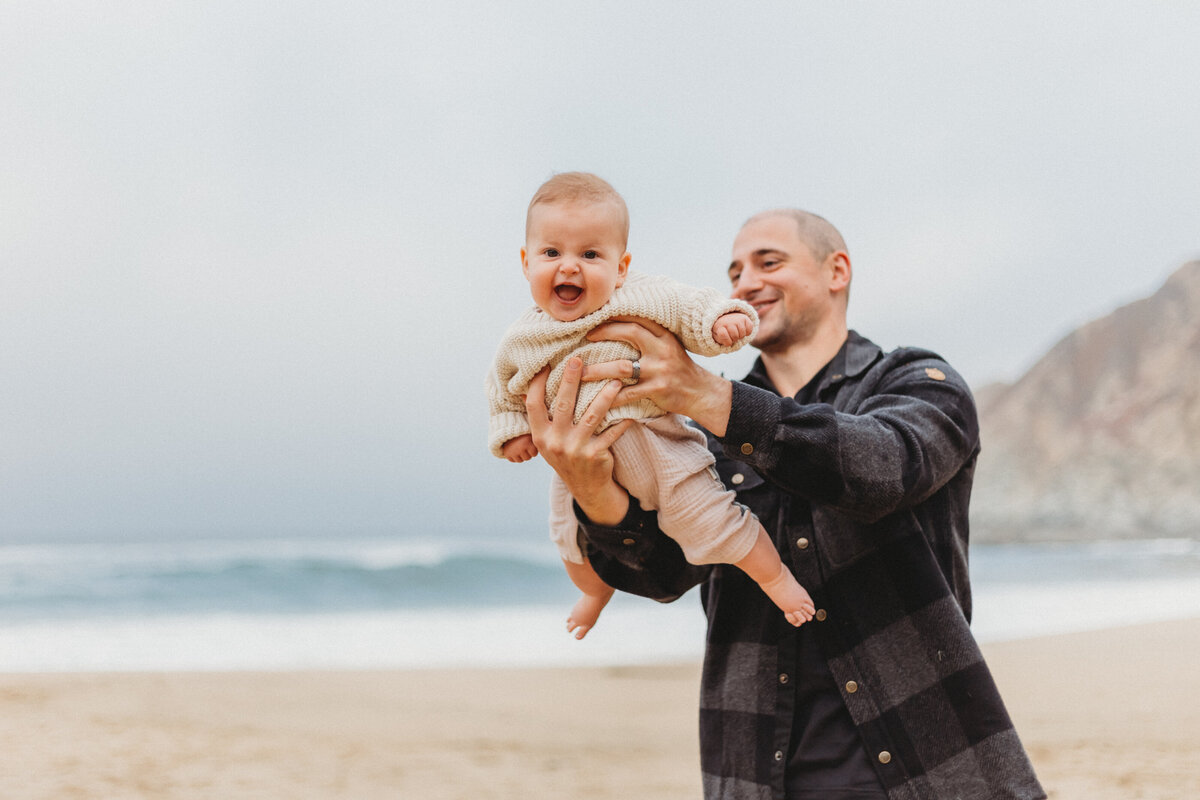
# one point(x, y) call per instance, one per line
point(747, 283)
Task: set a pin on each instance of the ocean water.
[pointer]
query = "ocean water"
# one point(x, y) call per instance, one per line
point(378, 603)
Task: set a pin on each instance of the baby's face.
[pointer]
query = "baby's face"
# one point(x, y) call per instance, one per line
point(574, 257)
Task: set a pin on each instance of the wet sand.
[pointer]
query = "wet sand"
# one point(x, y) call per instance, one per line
point(1106, 714)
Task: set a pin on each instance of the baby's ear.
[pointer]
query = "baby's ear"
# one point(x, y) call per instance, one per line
point(623, 268)
point(524, 262)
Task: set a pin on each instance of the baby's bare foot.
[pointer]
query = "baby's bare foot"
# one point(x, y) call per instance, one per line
point(584, 615)
point(787, 593)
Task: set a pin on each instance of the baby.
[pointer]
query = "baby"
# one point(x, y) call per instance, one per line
point(574, 258)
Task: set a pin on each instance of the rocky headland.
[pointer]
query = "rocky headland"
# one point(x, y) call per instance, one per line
point(1101, 437)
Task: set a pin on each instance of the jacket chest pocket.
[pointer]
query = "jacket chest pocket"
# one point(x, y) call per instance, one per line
point(845, 540)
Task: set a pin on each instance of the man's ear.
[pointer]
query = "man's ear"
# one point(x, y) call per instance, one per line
point(839, 271)
point(525, 263)
point(623, 269)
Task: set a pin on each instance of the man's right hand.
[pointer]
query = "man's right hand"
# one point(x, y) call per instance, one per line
point(668, 375)
point(580, 456)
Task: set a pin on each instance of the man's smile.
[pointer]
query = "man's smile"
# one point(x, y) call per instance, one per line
point(762, 303)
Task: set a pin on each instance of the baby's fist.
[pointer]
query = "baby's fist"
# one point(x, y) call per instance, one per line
point(519, 449)
point(729, 328)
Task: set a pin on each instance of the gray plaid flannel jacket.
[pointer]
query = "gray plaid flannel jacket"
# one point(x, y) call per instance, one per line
point(866, 495)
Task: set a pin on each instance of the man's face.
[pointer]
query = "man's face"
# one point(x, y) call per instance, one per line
point(775, 271)
point(574, 257)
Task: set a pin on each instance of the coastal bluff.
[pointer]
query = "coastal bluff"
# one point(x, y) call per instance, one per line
point(1100, 439)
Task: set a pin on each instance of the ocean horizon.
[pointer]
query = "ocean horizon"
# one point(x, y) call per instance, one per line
point(387, 603)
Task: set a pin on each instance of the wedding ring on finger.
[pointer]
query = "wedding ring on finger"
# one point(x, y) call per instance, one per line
point(637, 370)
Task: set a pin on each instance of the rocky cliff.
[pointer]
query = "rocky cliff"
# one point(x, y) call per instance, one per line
point(1101, 438)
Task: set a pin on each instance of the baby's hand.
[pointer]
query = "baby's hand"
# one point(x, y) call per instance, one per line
point(519, 449)
point(731, 327)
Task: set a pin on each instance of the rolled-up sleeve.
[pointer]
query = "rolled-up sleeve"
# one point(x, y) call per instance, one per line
point(638, 558)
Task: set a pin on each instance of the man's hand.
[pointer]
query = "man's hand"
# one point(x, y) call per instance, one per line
point(668, 377)
point(732, 327)
point(579, 455)
point(519, 449)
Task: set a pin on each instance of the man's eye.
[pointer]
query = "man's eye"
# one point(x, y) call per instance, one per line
point(590, 254)
point(770, 263)
point(733, 277)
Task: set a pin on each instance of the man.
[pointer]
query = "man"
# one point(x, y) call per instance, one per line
point(860, 464)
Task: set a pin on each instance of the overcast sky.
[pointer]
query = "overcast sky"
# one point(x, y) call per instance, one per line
point(254, 257)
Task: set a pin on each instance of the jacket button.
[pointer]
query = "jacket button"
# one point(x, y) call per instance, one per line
point(747, 449)
point(820, 615)
point(737, 478)
point(628, 542)
point(884, 757)
point(783, 677)
point(802, 543)
point(851, 687)
point(779, 755)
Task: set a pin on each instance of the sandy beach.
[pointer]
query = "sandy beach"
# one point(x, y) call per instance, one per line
point(1106, 714)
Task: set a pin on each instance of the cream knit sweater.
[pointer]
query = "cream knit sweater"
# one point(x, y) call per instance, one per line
point(537, 340)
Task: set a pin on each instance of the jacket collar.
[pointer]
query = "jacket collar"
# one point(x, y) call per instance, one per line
point(854, 358)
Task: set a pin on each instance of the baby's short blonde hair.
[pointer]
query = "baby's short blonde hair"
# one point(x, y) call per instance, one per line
point(580, 187)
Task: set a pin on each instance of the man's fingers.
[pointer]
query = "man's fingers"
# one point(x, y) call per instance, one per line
point(638, 334)
point(568, 391)
point(608, 370)
point(597, 410)
point(610, 435)
point(535, 400)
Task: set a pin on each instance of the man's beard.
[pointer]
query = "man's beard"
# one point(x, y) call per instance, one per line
point(790, 331)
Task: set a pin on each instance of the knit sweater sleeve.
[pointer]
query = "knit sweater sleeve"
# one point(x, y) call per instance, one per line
point(506, 411)
point(689, 312)
point(525, 349)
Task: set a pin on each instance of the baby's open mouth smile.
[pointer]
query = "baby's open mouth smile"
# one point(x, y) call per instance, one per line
point(567, 293)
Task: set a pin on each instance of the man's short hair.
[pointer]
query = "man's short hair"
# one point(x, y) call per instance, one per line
point(574, 187)
point(815, 231)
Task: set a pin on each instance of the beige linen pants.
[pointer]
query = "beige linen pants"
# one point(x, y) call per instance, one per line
point(666, 466)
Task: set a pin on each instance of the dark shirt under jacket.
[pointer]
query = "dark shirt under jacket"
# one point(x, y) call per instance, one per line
point(865, 491)
point(826, 759)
